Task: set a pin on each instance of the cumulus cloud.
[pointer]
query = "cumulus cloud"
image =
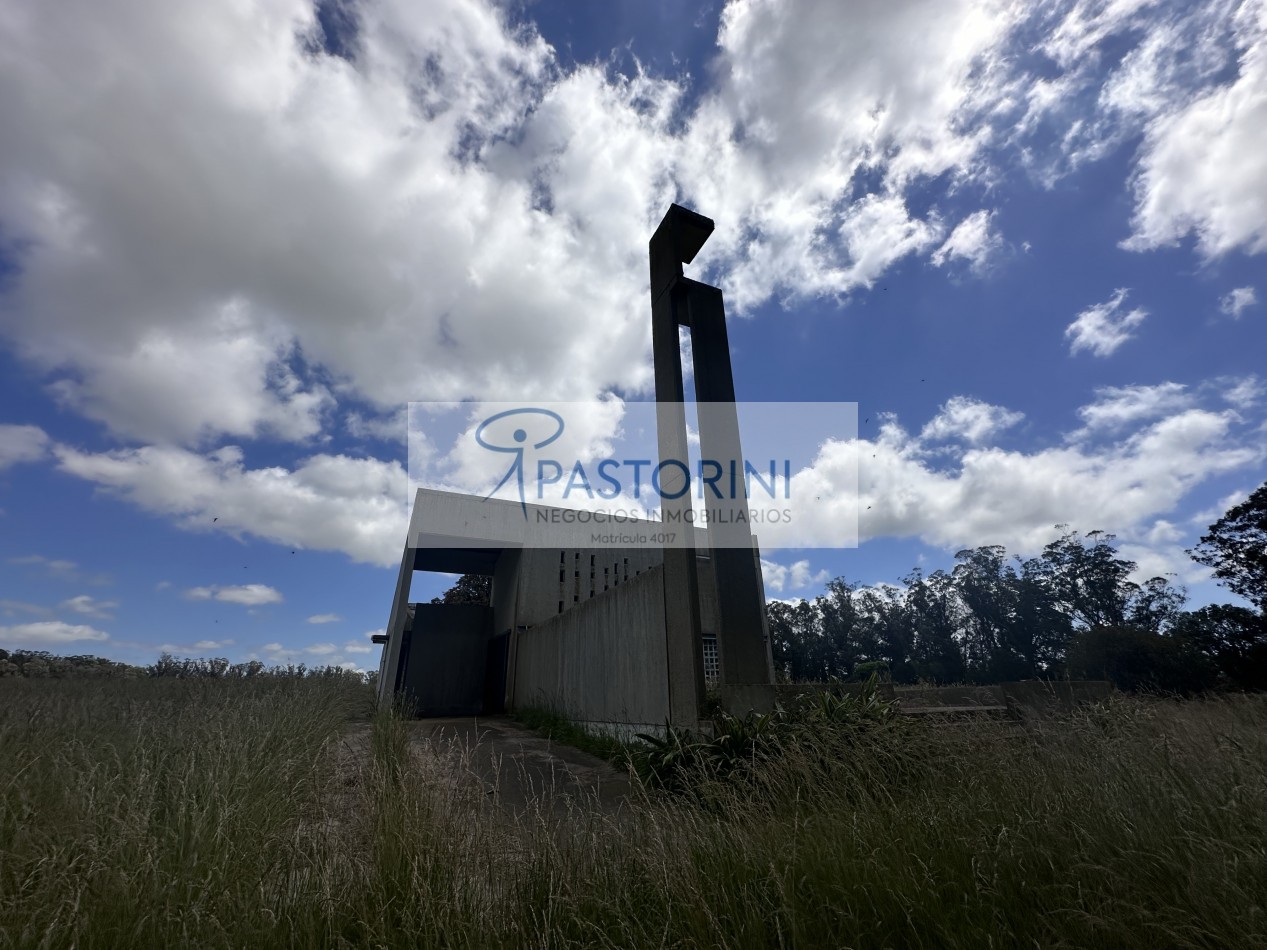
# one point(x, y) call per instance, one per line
point(223, 376)
point(241, 239)
point(21, 444)
point(1126, 478)
point(49, 633)
point(1203, 165)
point(229, 242)
point(246, 595)
point(972, 420)
point(288, 209)
point(324, 618)
point(1243, 393)
point(789, 577)
point(973, 240)
point(1237, 302)
point(327, 502)
point(1104, 327)
point(1118, 406)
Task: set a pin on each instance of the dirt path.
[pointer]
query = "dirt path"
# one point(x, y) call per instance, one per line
point(518, 769)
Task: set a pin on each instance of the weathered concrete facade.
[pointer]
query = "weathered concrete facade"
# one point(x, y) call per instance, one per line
point(677, 302)
point(603, 662)
point(613, 638)
point(579, 629)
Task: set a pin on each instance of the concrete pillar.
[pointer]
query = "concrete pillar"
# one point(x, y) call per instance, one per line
point(743, 646)
point(743, 649)
point(681, 579)
point(390, 664)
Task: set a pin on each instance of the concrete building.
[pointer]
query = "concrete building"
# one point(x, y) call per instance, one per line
point(576, 628)
point(613, 638)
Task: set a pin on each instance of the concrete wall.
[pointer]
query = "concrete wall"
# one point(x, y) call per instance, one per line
point(555, 580)
point(602, 663)
point(534, 585)
point(505, 592)
point(446, 659)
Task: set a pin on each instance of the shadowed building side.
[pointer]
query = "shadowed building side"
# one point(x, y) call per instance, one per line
point(572, 627)
point(611, 638)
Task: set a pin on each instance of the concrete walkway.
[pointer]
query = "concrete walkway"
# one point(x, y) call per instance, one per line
point(520, 770)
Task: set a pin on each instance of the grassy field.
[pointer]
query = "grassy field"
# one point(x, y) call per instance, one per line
point(170, 813)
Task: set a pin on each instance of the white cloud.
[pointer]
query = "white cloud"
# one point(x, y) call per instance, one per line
point(47, 633)
point(457, 194)
point(246, 595)
point(1237, 302)
point(1104, 327)
point(226, 242)
point(328, 502)
point(972, 240)
point(1243, 393)
point(223, 376)
point(789, 577)
point(308, 213)
point(972, 420)
point(1118, 406)
point(364, 645)
point(389, 428)
point(21, 444)
point(212, 644)
point(324, 618)
point(91, 607)
point(1203, 165)
point(454, 194)
point(1134, 474)
point(877, 232)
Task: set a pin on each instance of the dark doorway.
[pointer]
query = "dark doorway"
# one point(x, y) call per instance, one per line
point(447, 668)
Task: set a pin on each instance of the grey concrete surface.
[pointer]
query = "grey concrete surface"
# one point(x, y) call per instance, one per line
point(521, 771)
point(602, 661)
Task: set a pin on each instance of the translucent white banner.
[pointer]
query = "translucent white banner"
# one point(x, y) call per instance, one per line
point(593, 474)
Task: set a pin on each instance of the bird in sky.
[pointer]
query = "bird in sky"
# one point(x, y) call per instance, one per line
point(214, 520)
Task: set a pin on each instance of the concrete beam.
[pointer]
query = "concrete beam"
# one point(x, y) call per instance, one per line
point(676, 301)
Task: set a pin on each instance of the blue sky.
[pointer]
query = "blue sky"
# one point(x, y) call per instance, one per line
point(235, 243)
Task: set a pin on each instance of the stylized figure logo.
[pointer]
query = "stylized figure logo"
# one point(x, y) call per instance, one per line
point(519, 437)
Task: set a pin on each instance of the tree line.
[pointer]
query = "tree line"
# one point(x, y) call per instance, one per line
point(1070, 611)
point(39, 664)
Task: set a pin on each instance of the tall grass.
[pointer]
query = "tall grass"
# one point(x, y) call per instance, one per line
point(157, 812)
point(148, 814)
